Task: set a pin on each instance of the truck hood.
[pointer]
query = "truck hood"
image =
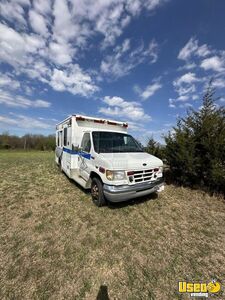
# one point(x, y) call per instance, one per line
point(130, 161)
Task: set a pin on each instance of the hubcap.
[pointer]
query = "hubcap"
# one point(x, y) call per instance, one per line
point(95, 191)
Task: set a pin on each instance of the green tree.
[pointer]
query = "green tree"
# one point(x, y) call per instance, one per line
point(154, 148)
point(27, 142)
point(195, 149)
point(4, 142)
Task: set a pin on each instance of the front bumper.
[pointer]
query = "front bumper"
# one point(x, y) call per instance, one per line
point(121, 193)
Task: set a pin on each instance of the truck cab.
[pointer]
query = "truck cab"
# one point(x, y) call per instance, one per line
point(101, 156)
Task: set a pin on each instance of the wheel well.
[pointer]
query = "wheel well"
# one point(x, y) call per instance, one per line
point(93, 174)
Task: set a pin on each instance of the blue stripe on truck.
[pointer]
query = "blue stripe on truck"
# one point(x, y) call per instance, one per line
point(73, 152)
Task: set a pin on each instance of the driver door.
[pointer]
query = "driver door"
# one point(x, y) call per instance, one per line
point(84, 159)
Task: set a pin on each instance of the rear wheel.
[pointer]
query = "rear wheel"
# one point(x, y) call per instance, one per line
point(60, 165)
point(97, 192)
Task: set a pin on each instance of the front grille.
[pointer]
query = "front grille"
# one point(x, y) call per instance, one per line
point(143, 175)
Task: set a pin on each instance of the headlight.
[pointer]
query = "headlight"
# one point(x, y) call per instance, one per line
point(115, 175)
point(161, 169)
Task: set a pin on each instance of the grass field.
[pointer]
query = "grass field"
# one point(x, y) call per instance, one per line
point(55, 244)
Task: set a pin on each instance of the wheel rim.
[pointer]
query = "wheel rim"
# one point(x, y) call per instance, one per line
point(95, 192)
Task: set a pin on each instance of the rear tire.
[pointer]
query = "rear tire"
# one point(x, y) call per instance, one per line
point(97, 194)
point(60, 166)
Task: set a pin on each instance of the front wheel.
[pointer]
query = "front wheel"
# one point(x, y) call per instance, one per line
point(97, 192)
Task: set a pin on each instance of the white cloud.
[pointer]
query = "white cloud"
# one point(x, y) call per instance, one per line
point(195, 97)
point(182, 98)
point(12, 100)
point(7, 82)
point(61, 53)
point(21, 121)
point(185, 86)
point(74, 80)
point(109, 24)
point(38, 23)
point(24, 52)
point(214, 63)
point(150, 89)
point(120, 108)
point(60, 30)
point(63, 29)
point(171, 103)
point(43, 6)
point(186, 90)
point(186, 52)
point(33, 43)
point(41, 103)
point(210, 60)
point(187, 66)
point(12, 45)
point(37, 70)
point(136, 126)
point(153, 51)
point(133, 7)
point(124, 59)
point(23, 2)
point(123, 48)
point(15, 48)
point(153, 4)
point(110, 17)
point(186, 78)
point(185, 105)
point(203, 51)
point(168, 124)
point(219, 83)
point(13, 12)
point(192, 48)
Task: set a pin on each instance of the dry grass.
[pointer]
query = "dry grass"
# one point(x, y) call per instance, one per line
point(55, 244)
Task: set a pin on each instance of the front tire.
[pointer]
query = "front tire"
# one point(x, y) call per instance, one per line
point(97, 194)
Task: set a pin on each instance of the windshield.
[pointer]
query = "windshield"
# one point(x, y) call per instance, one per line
point(113, 142)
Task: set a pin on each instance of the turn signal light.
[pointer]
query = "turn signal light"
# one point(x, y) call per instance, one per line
point(102, 170)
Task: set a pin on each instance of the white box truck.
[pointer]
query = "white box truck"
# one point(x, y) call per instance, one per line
point(99, 155)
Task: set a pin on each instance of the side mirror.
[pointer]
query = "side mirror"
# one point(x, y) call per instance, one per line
point(76, 148)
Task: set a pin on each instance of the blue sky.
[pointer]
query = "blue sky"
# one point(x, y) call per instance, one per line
point(144, 62)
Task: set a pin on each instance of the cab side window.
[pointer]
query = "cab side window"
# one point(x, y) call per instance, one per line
point(86, 142)
point(65, 136)
point(59, 138)
point(58, 142)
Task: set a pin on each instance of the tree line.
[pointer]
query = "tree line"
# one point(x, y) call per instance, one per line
point(27, 142)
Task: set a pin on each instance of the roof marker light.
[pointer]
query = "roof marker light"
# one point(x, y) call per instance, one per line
point(99, 121)
point(112, 123)
point(80, 119)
